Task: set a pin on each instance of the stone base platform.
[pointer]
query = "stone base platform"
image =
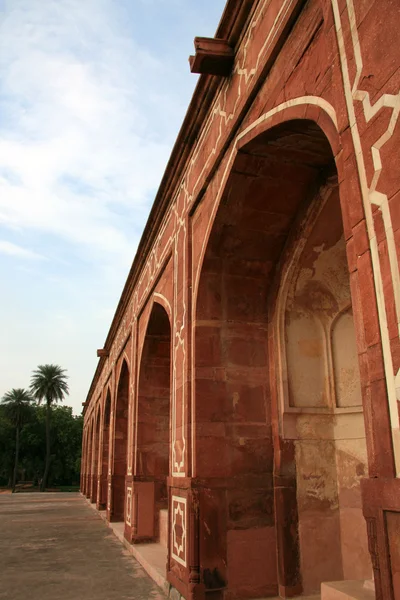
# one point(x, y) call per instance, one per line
point(152, 557)
point(347, 590)
point(312, 597)
point(339, 590)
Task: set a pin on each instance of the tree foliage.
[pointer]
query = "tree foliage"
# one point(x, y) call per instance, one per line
point(7, 448)
point(17, 404)
point(49, 383)
point(66, 436)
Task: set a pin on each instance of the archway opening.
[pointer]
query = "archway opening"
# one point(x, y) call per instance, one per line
point(247, 461)
point(120, 445)
point(89, 470)
point(83, 462)
point(96, 449)
point(105, 452)
point(153, 421)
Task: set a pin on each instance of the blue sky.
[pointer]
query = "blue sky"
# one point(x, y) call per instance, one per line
point(92, 96)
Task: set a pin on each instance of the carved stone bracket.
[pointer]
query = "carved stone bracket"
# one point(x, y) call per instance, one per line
point(213, 57)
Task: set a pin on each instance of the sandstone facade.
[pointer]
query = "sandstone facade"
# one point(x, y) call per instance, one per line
point(244, 413)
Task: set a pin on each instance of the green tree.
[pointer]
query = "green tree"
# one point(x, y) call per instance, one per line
point(18, 408)
point(49, 383)
point(7, 448)
point(33, 445)
point(66, 442)
point(66, 445)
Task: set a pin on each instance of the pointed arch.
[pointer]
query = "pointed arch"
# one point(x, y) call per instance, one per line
point(318, 389)
point(83, 462)
point(96, 450)
point(120, 443)
point(277, 169)
point(105, 450)
point(89, 459)
point(153, 423)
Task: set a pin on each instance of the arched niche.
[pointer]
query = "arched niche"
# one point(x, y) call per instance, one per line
point(305, 356)
point(84, 460)
point(120, 444)
point(105, 451)
point(252, 465)
point(316, 319)
point(89, 458)
point(345, 361)
point(319, 395)
point(271, 180)
point(152, 461)
point(96, 448)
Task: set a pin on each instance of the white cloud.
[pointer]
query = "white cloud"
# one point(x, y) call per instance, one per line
point(14, 250)
point(76, 144)
point(88, 116)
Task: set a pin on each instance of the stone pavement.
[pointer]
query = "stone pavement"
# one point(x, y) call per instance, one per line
point(53, 546)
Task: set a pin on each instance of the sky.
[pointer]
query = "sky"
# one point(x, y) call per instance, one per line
point(92, 96)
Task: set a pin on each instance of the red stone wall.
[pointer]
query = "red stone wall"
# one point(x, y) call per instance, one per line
point(315, 86)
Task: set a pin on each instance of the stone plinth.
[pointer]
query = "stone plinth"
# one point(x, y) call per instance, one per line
point(347, 590)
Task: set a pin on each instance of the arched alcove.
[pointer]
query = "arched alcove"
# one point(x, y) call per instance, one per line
point(96, 448)
point(83, 462)
point(89, 471)
point(345, 361)
point(250, 467)
point(153, 418)
point(305, 355)
point(320, 395)
point(105, 451)
point(120, 444)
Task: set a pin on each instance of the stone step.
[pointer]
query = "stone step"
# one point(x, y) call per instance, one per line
point(153, 558)
point(164, 527)
point(347, 590)
point(307, 597)
point(312, 597)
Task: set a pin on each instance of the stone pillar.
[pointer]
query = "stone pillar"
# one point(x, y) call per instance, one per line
point(102, 498)
point(140, 510)
point(118, 498)
point(196, 587)
point(99, 504)
point(109, 498)
point(93, 489)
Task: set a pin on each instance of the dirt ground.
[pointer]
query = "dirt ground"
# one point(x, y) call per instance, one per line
point(53, 546)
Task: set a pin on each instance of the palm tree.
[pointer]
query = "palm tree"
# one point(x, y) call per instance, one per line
point(49, 383)
point(17, 404)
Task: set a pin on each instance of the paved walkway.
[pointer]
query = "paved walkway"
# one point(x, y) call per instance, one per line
point(53, 546)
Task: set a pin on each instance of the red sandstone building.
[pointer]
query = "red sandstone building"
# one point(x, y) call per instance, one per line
point(243, 423)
